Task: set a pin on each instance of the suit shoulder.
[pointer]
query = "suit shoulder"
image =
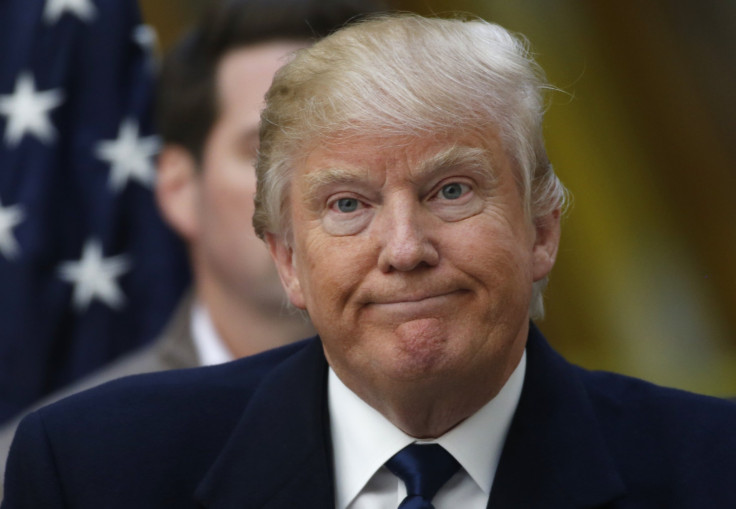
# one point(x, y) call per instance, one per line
point(638, 415)
point(155, 434)
point(181, 391)
point(625, 392)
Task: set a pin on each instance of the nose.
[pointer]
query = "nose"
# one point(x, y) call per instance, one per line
point(405, 236)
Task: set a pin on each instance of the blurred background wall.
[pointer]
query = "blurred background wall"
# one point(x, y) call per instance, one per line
point(643, 134)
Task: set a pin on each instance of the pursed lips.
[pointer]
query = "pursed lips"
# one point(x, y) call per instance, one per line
point(393, 299)
point(413, 304)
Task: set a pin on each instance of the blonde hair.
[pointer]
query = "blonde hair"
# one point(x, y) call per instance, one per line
point(407, 76)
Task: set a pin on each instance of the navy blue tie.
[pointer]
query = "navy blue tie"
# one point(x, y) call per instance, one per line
point(424, 469)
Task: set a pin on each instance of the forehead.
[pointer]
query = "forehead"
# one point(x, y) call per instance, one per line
point(413, 158)
point(244, 74)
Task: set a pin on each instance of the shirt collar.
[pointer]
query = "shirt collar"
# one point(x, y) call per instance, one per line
point(210, 347)
point(363, 439)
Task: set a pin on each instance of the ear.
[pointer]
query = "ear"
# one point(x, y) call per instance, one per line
point(283, 257)
point(177, 190)
point(546, 242)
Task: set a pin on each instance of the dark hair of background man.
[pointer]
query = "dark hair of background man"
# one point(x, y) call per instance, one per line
point(186, 101)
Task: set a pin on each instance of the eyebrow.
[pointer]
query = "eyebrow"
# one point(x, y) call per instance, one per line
point(477, 159)
point(328, 177)
point(333, 175)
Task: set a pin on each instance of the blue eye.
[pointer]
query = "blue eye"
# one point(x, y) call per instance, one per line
point(452, 191)
point(347, 205)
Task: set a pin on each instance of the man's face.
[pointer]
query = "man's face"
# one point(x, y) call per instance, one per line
point(415, 261)
point(227, 249)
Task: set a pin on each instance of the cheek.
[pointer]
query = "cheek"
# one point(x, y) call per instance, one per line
point(496, 257)
point(229, 190)
point(227, 172)
point(330, 270)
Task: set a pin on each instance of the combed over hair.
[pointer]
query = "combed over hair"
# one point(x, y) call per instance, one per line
point(407, 76)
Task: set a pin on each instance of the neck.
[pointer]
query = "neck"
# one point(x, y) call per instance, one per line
point(432, 406)
point(246, 328)
point(432, 412)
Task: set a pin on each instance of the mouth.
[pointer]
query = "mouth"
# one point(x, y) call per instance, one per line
point(407, 307)
point(407, 299)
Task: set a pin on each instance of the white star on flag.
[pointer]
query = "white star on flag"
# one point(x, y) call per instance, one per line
point(83, 9)
point(145, 37)
point(130, 157)
point(28, 111)
point(10, 217)
point(94, 276)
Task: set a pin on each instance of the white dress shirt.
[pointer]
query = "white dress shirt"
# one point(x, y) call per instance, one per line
point(208, 344)
point(363, 440)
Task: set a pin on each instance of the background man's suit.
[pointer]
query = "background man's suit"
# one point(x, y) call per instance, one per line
point(253, 433)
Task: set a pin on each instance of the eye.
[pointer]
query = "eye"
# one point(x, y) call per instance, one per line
point(453, 191)
point(455, 199)
point(347, 205)
point(346, 215)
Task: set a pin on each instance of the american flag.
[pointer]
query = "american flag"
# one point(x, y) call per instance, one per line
point(88, 271)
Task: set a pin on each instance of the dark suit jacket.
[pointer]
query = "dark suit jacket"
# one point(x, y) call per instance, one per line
point(254, 434)
point(173, 349)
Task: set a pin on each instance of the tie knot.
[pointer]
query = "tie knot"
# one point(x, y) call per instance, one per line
point(423, 468)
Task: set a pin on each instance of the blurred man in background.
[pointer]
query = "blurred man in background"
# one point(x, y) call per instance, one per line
point(210, 95)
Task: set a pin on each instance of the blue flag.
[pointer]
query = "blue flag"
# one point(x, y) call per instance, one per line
point(88, 270)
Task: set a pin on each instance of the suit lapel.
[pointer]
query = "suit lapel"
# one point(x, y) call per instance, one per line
point(554, 455)
point(279, 453)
